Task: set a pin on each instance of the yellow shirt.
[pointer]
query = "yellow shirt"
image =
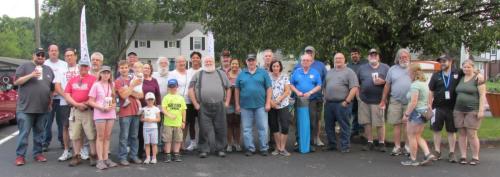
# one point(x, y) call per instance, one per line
point(174, 104)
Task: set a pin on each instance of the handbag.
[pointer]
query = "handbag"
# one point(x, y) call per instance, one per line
point(428, 114)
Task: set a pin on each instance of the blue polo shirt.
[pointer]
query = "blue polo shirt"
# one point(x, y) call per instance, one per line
point(253, 88)
point(321, 69)
point(305, 82)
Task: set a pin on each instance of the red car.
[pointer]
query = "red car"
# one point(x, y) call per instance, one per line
point(8, 97)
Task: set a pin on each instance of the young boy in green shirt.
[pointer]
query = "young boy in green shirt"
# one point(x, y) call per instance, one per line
point(173, 106)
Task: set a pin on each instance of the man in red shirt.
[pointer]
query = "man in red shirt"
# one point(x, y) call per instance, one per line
point(81, 115)
point(129, 120)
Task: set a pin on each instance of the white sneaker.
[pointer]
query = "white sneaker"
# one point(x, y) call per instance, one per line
point(146, 161)
point(191, 146)
point(66, 155)
point(238, 148)
point(153, 161)
point(229, 148)
point(84, 153)
point(319, 142)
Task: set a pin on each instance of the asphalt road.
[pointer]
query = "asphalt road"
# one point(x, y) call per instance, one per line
point(318, 164)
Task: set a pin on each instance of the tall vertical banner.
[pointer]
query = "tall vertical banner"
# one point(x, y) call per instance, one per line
point(84, 50)
point(210, 44)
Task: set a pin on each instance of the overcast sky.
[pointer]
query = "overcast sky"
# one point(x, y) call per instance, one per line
point(18, 8)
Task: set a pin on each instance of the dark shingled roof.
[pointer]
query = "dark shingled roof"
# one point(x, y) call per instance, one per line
point(163, 31)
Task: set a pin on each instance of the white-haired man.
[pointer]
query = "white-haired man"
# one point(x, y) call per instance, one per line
point(210, 93)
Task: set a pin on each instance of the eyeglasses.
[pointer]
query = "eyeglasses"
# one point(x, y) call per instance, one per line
point(40, 55)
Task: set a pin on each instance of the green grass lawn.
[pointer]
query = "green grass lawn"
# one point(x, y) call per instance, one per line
point(489, 130)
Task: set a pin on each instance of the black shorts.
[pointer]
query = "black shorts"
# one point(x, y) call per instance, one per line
point(279, 120)
point(444, 116)
point(64, 111)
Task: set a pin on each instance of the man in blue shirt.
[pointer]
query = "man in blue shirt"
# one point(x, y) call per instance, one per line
point(316, 100)
point(305, 83)
point(253, 98)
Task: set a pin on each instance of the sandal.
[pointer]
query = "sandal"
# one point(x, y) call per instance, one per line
point(462, 161)
point(474, 162)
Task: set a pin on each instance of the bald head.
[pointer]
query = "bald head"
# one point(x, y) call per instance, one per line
point(339, 60)
point(53, 52)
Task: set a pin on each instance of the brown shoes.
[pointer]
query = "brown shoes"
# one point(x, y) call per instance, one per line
point(76, 160)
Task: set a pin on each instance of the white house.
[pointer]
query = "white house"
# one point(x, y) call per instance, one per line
point(487, 62)
point(153, 40)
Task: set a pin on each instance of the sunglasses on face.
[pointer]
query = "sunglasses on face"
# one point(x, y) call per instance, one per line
point(40, 55)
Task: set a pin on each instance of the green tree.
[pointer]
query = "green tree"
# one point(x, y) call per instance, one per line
point(337, 25)
point(16, 36)
point(107, 23)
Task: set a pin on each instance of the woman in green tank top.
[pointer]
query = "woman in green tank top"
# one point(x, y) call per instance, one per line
point(469, 111)
point(418, 98)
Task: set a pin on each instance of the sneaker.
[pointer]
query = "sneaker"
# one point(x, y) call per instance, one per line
point(264, 153)
point(147, 161)
point(428, 159)
point(40, 158)
point(136, 160)
point(396, 151)
point(177, 157)
point(345, 150)
point(192, 145)
point(168, 158)
point(285, 153)
point(76, 160)
point(153, 161)
point(65, 156)
point(93, 160)
point(275, 152)
point(84, 153)
point(101, 165)
point(410, 163)
point(368, 147)
point(437, 155)
point(203, 155)
point(45, 148)
point(124, 163)
point(20, 161)
point(110, 163)
point(238, 148)
point(221, 154)
point(229, 148)
point(319, 142)
point(406, 151)
point(249, 153)
point(381, 147)
point(452, 158)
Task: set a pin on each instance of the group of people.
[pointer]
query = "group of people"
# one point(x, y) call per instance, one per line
point(159, 109)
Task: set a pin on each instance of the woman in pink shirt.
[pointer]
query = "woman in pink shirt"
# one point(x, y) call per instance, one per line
point(102, 99)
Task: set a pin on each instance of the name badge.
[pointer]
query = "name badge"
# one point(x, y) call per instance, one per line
point(447, 95)
point(455, 76)
point(311, 76)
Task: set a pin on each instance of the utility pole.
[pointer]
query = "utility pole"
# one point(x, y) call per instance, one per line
point(37, 25)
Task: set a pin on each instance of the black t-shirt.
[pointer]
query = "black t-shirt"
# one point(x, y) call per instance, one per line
point(437, 86)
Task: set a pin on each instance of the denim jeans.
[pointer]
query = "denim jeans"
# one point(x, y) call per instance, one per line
point(26, 122)
point(129, 132)
point(335, 112)
point(247, 118)
point(56, 112)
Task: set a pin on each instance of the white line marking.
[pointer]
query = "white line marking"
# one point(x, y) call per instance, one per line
point(9, 137)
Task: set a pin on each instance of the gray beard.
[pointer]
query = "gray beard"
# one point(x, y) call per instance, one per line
point(163, 72)
point(209, 69)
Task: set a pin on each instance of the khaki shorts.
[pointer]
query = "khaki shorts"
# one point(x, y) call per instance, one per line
point(370, 114)
point(466, 120)
point(172, 134)
point(81, 121)
point(395, 111)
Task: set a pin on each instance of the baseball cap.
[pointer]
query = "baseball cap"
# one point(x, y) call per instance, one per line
point(372, 51)
point(105, 68)
point(444, 57)
point(150, 95)
point(172, 83)
point(251, 56)
point(225, 53)
point(84, 62)
point(38, 50)
point(310, 48)
point(131, 53)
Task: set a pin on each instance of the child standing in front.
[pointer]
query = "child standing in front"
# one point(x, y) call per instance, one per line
point(174, 109)
point(150, 117)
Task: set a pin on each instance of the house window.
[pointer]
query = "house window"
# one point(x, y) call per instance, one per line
point(197, 43)
point(142, 43)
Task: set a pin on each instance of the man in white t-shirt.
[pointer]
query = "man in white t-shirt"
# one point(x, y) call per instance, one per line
point(60, 81)
point(58, 67)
